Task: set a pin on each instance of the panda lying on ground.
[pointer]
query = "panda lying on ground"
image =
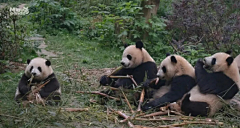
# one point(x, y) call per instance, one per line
point(41, 71)
point(137, 62)
point(223, 83)
point(180, 79)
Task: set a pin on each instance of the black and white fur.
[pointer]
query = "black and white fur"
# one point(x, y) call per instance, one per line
point(137, 62)
point(222, 83)
point(180, 78)
point(42, 71)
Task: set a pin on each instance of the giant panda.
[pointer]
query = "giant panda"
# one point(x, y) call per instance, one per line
point(237, 59)
point(41, 72)
point(212, 88)
point(180, 79)
point(137, 62)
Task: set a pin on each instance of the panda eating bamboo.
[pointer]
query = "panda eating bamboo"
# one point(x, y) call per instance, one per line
point(38, 83)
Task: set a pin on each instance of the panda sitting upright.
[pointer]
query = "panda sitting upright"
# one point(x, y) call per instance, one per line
point(222, 83)
point(38, 72)
point(137, 62)
point(180, 79)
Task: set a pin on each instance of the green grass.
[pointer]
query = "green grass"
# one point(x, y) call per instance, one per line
point(75, 55)
point(78, 66)
point(84, 53)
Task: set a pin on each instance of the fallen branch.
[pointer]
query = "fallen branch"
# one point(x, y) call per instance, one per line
point(190, 122)
point(124, 77)
point(75, 109)
point(126, 118)
point(158, 119)
point(140, 126)
point(114, 89)
point(129, 105)
point(141, 100)
point(99, 93)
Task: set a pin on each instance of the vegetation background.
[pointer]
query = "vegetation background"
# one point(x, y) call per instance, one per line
point(84, 39)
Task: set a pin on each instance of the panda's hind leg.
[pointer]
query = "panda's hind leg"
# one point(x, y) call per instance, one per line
point(194, 108)
point(20, 97)
point(54, 98)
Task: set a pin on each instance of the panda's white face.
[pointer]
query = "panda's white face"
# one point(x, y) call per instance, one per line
point(217, 62)
point(38, 67)
point(175, 65)
point(132, 57)
point(167, 69)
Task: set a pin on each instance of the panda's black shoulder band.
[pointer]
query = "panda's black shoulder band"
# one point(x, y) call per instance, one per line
point(49, 78)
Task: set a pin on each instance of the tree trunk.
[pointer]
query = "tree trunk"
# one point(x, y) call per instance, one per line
point(148, 12)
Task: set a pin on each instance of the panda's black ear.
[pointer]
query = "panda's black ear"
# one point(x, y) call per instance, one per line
point(139, 44)
point(168, 54)
point(228, 52)
point(173, 59)
point(28, 61)
point(48, 63)
point(125, 45)
point(229, 60)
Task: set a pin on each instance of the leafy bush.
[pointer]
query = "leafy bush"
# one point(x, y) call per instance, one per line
point(215, 23)
point(11, 36)
point(122, 22)
point(51, 15)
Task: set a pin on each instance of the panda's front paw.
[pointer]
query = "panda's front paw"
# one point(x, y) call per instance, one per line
point(199, 63)
point(147, 106)
point(104, 80)
point(146, 83)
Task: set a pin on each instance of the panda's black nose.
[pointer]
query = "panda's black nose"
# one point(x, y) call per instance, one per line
point(122, 63)
point(34, 74)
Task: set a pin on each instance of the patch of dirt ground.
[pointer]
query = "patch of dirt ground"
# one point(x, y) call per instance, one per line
point(89, 75)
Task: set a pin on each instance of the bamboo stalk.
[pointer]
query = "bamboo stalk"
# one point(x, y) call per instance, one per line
point(141, 100)
point(190, 122)
point(156, 114)
point(131, 77)
point(99, 93)
point(116, 70)
point(157, 119)
point(129, 105)
point(114, 89)
point(119, 77)
point(177, 113)
point(75, 109)
point(126, 117)
point(41, 86)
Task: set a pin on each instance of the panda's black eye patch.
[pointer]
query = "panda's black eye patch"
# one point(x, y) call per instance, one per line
point(213, 61)
point(31, 68)
point(40, 69)
point(129, 57)
point(164, 69)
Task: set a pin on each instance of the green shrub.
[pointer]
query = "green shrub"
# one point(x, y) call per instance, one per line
point(214, 23)
point(51, 15)
point(122, 22)
point(13, 32)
